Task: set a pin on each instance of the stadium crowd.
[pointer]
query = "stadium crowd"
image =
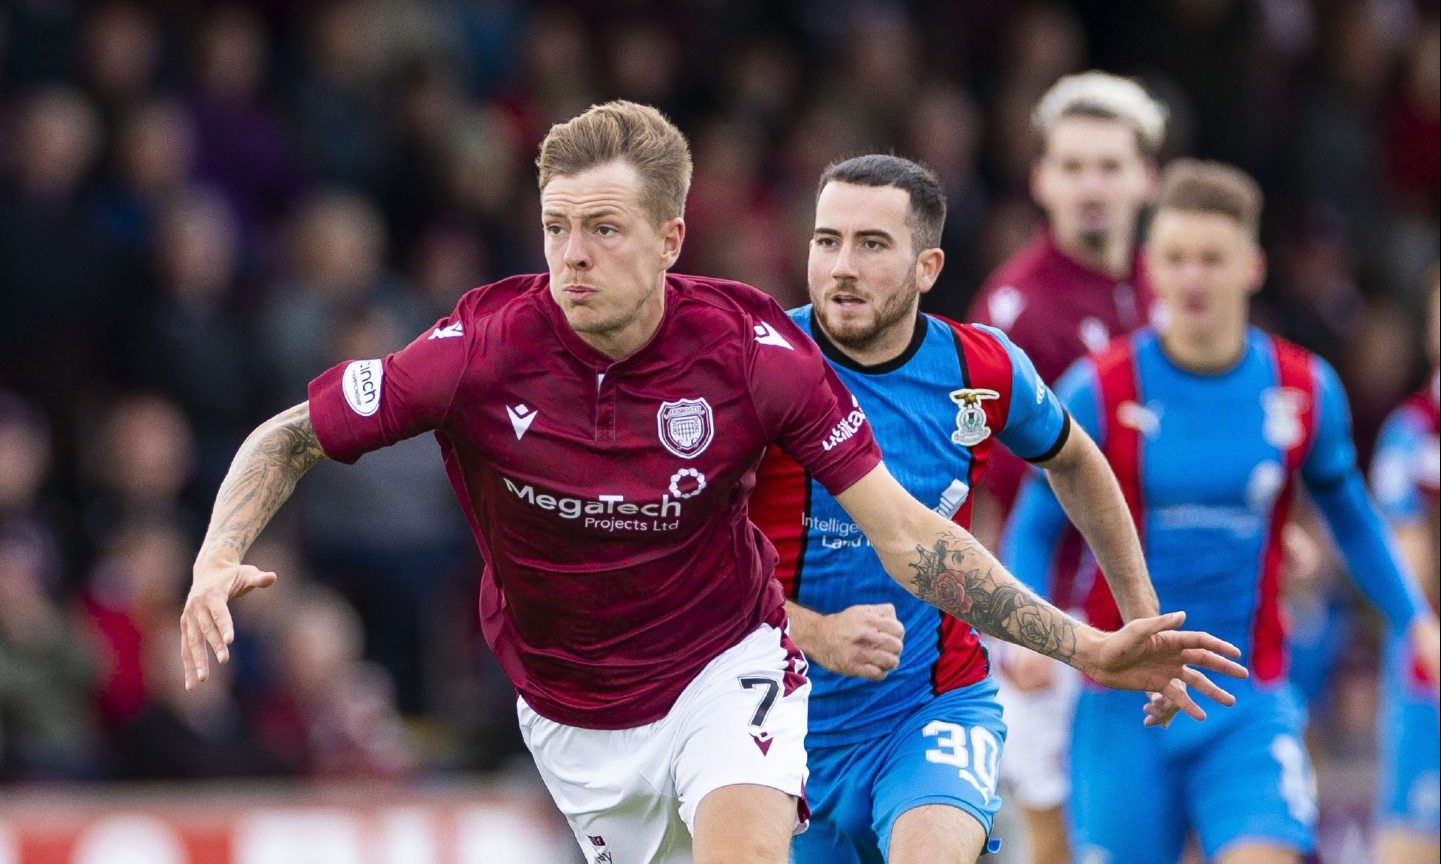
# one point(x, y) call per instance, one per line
point(204, 205)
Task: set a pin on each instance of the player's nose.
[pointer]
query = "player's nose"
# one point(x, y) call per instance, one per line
point(576, 256)
point(844, 266)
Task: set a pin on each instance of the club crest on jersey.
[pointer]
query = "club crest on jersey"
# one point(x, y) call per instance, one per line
point(685, 426)
point(1283, 407)
point(971, 428)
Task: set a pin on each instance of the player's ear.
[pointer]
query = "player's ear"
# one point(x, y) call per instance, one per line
point(672, 235)
point(1258, 267)
point(928, 268)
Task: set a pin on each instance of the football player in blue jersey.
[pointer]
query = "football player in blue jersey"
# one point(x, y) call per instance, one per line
point(1210, 425)
point(1406, 477)
point(905, 730)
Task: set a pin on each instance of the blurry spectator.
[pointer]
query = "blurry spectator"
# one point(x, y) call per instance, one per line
point(139, 465)
point(645, 65)
point(25, 504)
point(332, 715)
point(560, 70)
point(56, 281)
point(180, 735)
point(47, 670)
point(446, 261)
point(1413, 127)
point(244, 151)
point(943, 132)
point(340, 122)
point(1338, 145)
point(1317, 300)
point(154, 158)
point(337, 254)
point(430, 104)
point(190, 342)
point(122, 55)
point(134, 597)
point(1377, 368)
point(735, 227)
point(24, 458)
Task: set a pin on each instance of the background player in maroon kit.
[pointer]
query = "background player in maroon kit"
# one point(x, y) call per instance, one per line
point(601, 425)
point(1077, 284)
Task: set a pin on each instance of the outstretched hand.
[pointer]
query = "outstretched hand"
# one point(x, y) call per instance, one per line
point(1151, 655)
point(206, 619)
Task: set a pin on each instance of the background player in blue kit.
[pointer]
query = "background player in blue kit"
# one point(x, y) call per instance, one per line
point(1406, 477)
point(905, 769)
point(1208, 425)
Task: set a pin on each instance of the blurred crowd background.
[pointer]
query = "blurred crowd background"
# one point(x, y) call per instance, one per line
point(204, 205)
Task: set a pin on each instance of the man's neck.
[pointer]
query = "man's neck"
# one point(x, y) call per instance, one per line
point(1206, 353)
point(884, 348)
point(622, 342)
point(1114, 258)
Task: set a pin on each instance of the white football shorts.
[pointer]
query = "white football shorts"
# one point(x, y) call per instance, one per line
point(631, 795)
point(1036, 762)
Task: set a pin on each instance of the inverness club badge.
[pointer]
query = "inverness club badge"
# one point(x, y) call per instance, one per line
point(971, 428)
point(685, 426)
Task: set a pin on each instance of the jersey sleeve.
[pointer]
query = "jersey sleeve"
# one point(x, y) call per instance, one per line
point(363, 405)
point(1333, 454)
point(1036, 423)
point(1079, 392)
point(805, 409)
point(1393, 469)
point(1335, 483)
point(1028, 545)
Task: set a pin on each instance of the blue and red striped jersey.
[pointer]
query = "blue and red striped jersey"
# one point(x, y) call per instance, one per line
point(1209, 464)
point(937, 411)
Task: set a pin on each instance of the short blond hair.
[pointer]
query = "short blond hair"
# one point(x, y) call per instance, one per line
point(1196, 186)
point(1105, 96)
point(629, 132)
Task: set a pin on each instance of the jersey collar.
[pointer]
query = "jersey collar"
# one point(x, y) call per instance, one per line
point(594, 358)
point(840, 358)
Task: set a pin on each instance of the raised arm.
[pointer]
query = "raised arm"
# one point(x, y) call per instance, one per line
point(261, 478)
point(1083, 482)
point(943, 565)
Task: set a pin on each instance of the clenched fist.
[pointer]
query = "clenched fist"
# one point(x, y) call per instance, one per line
point(862, 641)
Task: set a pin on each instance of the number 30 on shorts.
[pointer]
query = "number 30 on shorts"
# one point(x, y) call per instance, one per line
point(974, 751)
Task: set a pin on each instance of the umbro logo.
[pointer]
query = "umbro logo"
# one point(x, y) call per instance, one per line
point(767, 335)
point(449, 331)
point(521, 416)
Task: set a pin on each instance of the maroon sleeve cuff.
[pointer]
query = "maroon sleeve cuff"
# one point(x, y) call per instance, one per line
point(331, 419)
point(844, 472)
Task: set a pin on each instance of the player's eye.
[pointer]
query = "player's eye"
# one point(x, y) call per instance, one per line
point(824, 241)
point(606, 230)
point(553, 229)
point(873, 245)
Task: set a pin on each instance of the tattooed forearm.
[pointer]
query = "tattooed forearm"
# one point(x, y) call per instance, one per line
point(957, 576)
point(261, 478)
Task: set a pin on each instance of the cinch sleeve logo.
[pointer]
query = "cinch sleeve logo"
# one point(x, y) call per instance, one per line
point(361, 386)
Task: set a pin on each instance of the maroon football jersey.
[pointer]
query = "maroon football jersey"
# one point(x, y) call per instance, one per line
point(1058, 310)
point(608, 498)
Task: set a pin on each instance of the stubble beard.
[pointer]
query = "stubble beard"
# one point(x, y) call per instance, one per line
point(896, 311)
